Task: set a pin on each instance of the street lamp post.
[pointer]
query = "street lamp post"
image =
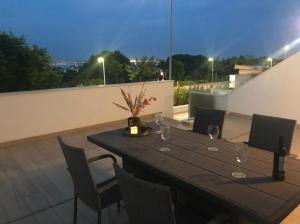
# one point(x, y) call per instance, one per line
point(170, 40)
point(101, 60)
point(271, 61)
point(286, 48)
point(212, 68)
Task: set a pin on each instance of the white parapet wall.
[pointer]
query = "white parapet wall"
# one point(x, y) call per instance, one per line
point(275, 92)
point(35, 113)
point(181, 109)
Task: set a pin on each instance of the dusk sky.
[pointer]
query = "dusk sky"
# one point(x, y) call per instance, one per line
point(75, 29)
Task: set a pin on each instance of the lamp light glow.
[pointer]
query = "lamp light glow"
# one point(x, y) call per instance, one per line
point(287, 47)
point(210, 59)
point(101, 60)
point(271, 61)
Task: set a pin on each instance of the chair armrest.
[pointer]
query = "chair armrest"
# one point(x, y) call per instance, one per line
point(220, 218)
point(103, 156)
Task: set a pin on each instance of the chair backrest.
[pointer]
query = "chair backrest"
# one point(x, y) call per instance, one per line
point(265, 132)
point(145, 202)
point(205, 117)
point(84, 186)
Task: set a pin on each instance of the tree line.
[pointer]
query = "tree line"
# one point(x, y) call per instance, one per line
point(27, 67)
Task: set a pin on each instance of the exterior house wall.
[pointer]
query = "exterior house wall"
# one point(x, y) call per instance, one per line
point(275, 92)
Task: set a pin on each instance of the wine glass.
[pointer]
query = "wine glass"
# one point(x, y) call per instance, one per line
point(241, 156)
point(158, 120)
point(165, 134)
point(213, 132)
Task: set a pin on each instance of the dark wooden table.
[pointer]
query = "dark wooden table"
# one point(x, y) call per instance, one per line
point(257, 198)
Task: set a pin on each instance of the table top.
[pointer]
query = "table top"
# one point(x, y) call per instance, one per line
point(209, 174)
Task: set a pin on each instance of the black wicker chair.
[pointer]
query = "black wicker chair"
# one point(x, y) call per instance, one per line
point(265, 132)
point(205, 117)
point(94, 196)
point(148, 203)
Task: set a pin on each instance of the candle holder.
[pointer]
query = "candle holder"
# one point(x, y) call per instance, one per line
point(137, 128)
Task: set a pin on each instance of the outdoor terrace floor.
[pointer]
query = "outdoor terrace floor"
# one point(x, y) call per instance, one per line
point(36, 188)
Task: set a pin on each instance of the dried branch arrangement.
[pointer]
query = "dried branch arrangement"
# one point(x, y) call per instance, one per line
point(137, 105)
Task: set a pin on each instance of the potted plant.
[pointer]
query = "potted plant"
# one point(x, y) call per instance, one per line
point(135, 107)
